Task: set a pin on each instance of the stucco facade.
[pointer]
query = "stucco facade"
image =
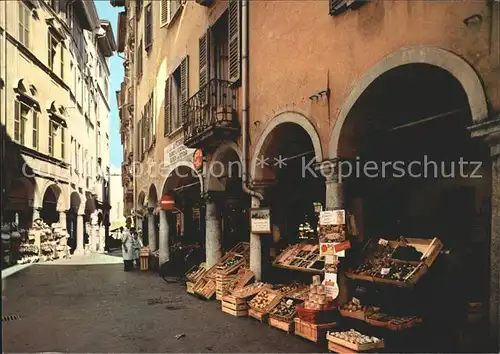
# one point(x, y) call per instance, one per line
point(55, 111)
point(320, 83)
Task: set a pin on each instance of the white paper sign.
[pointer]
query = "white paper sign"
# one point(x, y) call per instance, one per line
point(385, 271)
point(383, 242)
point(176, 152)
point(331, 285)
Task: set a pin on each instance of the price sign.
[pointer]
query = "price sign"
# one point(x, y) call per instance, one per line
point(356, 301)
point(339, 247)
point(385, 271)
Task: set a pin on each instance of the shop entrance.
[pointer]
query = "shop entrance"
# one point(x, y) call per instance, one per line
point(183, 183)
point(418, 173)
point(19, 203)
point(295, 197)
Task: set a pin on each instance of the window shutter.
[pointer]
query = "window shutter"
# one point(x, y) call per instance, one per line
point(148, 27)
point(153, 118)
point(234, 40)
point(184, 86)
point(164, 11)
point(168, 110)
point(204, 50)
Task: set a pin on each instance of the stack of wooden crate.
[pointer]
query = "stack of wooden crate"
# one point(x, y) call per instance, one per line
point(222, 282)
point(235, 306)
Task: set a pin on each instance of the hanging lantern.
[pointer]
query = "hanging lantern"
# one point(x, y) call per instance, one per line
point(167, 202)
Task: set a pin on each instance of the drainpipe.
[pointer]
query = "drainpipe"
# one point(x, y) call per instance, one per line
point(255, 241)
point(5, 111)
point(244, 88)
point(134, 122)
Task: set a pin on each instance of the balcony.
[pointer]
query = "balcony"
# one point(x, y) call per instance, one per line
point(210, 115)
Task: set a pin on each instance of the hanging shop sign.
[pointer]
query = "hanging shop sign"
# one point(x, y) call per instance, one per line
point(198, 159)
point(167, 202)
point(332, 231)
point(177, 152)
point(260, 220)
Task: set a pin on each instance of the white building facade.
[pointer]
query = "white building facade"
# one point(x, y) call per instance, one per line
point(55, 116)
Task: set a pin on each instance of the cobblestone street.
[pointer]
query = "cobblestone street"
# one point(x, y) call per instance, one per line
point(100, 308)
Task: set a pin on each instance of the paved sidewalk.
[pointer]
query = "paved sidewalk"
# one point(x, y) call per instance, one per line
point(88, 259)
point(101, 309)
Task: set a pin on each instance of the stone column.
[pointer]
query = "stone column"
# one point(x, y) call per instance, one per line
point(213, 232)
point(164, 237)
point(62, 220)
point(101, 230)
point(94, 233)
point(151, 230)
point(79, 235)
point(334, 199)
point(255, 248)
point(489, 131)
point(334, 186)
point(36, 213)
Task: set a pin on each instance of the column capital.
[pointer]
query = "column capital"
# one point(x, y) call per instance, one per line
point(489, 131)
point(330, 168)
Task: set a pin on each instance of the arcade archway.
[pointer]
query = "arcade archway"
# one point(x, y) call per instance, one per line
point(409, 170)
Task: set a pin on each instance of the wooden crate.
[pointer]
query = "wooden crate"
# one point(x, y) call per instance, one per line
point(314, 332)
point(287, 326)
point(189, 287)
point(357, 315)
point(237, 313)
point(235, 307)
point(353, 346)
point(336, 348)
point(144, 262)
point(234, 300)
point(258, 315)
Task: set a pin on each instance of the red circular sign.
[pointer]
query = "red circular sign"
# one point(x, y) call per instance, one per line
point(167, 202)
point(198, 159)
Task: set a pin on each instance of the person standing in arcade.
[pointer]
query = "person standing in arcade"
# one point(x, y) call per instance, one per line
point(128, 248)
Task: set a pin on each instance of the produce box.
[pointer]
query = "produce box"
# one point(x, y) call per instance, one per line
point(381, 266)
point(265, 300)
point(205, 288)
point(236, 313)
point(373, 343)
point(287, 326)
point(250, 290)
point(234, 306)
point(189, 287)
point(316, 316)
point(258, 315)
point(196, 273)
point(357, 315)
point(314, 332)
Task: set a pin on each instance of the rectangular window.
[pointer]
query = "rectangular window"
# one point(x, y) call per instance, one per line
point(63, 143)
point(175, 5)
point(87, 170)
point(62, 62)
point(139, 60)
point(20, 118)
point(24, 23)
point(52, 46)
point(35, 130)
point(106, 88)
point(148, 27)
point(52, 133)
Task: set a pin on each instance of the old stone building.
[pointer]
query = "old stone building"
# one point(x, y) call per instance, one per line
point(289, 92)
point(55, 116)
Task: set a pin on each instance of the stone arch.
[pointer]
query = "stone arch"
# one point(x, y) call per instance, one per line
point(286, 117)
point(441, 58)
point(58, 192)
point(141, 198)
point(76, 204)
point(152, 196)
point(221, 155)
point(177, 165)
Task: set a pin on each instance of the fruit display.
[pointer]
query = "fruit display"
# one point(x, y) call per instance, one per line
point(264, 300)
point(285, 309)
point(407, 253)
point(229, 262)
point(301, 293)
point(250, 289)
point(285, 289)
point(353, 337)
point(317, 299)
point(353, 307)
point(301, 256)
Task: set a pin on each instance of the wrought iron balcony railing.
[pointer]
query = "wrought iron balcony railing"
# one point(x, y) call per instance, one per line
point(209, 116)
